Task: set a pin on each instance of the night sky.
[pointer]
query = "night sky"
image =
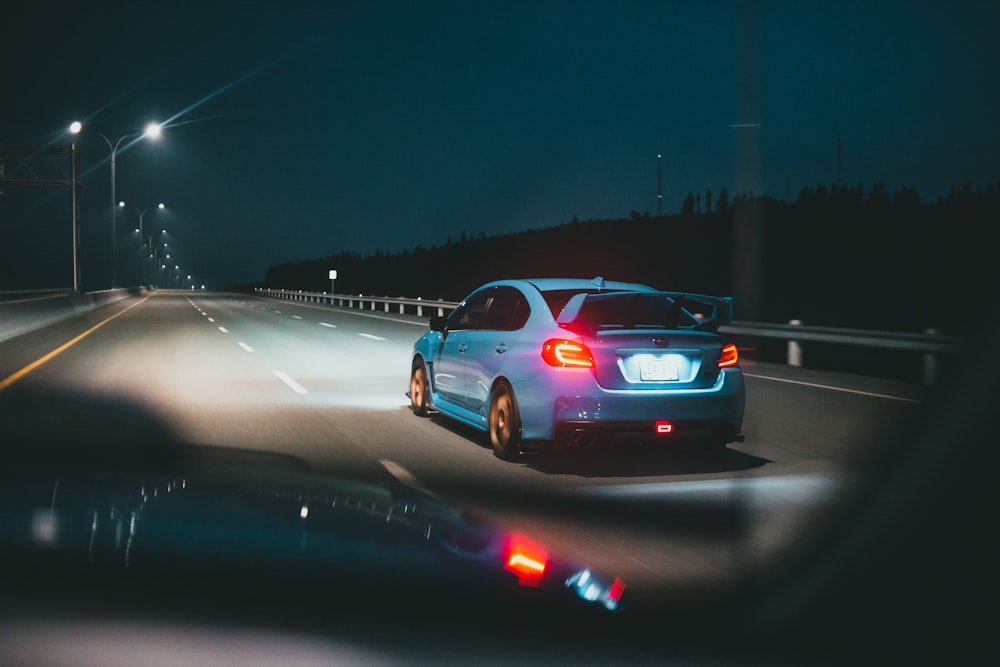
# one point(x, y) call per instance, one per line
point(296, 130)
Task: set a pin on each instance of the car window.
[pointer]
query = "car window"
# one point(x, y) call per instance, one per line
point(470, 314)
point(557, 299)
point(635, 311)
point(508, 311)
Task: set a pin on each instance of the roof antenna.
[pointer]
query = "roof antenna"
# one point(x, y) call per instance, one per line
point(598, 281)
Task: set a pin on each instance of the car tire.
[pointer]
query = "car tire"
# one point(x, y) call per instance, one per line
point(504, 422)
point(418, 388)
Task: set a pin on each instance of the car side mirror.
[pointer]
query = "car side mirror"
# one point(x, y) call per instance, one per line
point(438, 323)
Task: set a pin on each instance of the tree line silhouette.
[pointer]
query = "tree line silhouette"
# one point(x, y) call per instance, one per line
point(837, 255)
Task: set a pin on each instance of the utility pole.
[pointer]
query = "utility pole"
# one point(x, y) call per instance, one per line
point(659, 185)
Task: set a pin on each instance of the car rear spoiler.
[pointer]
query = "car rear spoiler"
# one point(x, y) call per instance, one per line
point(710, 311)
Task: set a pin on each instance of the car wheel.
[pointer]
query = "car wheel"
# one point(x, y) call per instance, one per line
point(418, 388)
point(505, 422)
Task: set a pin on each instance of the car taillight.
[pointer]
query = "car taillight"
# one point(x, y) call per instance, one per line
point(729, 356)
point(557, 352)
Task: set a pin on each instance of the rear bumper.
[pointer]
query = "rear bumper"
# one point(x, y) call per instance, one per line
point(714, 413)
point(587, 432)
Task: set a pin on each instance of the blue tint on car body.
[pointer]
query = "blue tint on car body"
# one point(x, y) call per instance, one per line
point(564, 362)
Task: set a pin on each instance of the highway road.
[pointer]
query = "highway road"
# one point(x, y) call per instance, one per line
point(327, 386)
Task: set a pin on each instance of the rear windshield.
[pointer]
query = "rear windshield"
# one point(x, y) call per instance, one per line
point(627, 310)
point(556, 299)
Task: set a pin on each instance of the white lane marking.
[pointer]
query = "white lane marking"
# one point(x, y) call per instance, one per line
point(278, 312)
point(831, 388)
point(245, 347)
point(324, 324)
point(364, 335)
point(296, 387)
point(296, 317)
point(211, 319)
point(223, 329)
point(203, 313)
point(403, 475)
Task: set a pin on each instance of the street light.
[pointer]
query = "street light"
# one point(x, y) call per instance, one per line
point(158, 260)
point(75, 128)
point(142, 251)
point(153, 132)
point(659, 184)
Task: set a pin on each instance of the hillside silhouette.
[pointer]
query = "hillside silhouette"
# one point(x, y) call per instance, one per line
point(836, 256)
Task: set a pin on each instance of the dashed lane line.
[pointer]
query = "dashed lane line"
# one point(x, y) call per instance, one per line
point(295, 386)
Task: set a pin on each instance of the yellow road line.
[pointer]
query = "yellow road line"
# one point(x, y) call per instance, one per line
point(6, 382)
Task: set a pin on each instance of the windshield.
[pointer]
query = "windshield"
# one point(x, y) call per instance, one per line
point(642, 311)
point(278, 348)
point(557, 298)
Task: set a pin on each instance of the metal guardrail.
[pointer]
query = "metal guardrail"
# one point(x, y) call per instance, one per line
point(401, 305)
point(930, 344)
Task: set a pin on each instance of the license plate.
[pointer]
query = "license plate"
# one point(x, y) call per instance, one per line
point(658, 370)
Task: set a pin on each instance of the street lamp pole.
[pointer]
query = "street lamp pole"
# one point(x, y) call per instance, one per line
point(74, 128)
point(159, 260)
point(114, 226)
point(142, 251)
point(659, 185)
point(151, 258)
point(152, 130)
point(75, 218)
point(141, 213)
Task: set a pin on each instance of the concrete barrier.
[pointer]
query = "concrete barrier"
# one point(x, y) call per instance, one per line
point(26, 315)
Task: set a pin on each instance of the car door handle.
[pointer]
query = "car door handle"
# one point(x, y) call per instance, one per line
point(501, 348)
point(462, 347)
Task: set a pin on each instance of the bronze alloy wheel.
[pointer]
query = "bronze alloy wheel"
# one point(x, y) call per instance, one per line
point(505, 422)
point(418, 388)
